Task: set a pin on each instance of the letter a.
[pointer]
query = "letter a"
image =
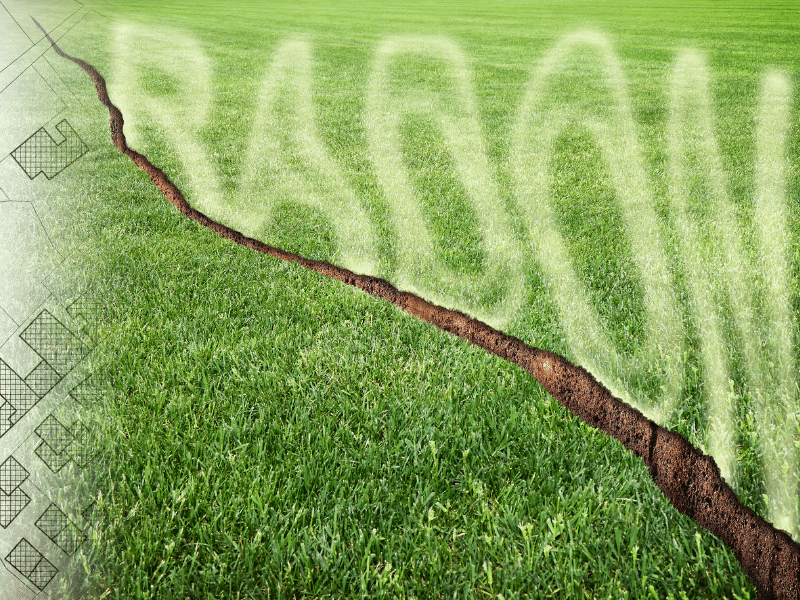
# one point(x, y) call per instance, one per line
point(288, 160)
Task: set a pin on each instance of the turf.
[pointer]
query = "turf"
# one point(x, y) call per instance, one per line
point(266, 432)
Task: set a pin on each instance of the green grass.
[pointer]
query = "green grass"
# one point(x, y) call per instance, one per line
point(266, 432)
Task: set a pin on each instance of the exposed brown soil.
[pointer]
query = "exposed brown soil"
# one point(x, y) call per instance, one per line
point(690, 479)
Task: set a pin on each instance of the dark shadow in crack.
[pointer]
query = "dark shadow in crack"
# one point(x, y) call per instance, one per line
point(690, 479)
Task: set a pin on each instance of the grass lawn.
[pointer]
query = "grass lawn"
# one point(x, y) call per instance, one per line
point(266, 432)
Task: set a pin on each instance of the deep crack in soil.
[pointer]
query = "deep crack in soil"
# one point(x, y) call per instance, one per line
point(690, 479)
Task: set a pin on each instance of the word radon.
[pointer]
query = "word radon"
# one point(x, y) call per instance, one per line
point(287, 159)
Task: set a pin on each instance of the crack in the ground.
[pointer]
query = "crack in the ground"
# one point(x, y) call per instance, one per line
point(690, 479)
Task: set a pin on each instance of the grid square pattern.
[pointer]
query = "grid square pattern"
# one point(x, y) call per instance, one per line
point(43, 573)
point(70, 539)
point(11, 505)
point(78, 448)
point(54, 434)
point(56, 344)
point(85, 393)
point(88, 512)
point(52, 521)
point(7, 419)
point(50, 458)
point(63, 532)
point(12, 499)
point(12, 474)
point(61, 443)
point(40, 153)
point(16, 392)
point(24, 557)
point(84, 309)
point(42, 379)
point(32, 564)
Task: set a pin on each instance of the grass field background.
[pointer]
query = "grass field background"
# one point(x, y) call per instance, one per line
point(270, 433)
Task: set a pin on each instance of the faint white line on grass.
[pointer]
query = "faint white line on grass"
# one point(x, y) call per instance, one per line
point(718, 267)
point(539, 124)
point(690, 131)
point(458, 121)
point(778, 420)
point(180, 115)
point(268, 176)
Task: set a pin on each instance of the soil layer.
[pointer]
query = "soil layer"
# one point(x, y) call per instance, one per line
point(688, 478)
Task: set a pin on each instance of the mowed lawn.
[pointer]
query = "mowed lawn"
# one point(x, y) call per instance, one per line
point(267, 432)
